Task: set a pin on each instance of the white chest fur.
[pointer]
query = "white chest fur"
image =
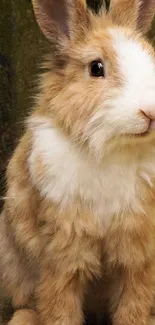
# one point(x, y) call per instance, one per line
point(108, 189)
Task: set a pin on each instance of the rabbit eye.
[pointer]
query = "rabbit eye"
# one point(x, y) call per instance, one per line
point(96, 69)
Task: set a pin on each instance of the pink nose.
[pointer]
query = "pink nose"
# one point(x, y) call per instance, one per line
point(151, 117)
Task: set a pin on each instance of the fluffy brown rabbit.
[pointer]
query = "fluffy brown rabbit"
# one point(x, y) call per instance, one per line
point(80, 201)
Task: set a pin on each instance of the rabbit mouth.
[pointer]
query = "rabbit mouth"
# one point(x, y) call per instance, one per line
point(148, 132)
point(143, 134)
point(137, 135)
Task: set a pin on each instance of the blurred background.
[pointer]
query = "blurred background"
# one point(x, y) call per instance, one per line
point(21, 50)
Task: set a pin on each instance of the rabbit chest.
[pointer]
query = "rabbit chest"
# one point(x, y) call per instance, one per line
point(113, 188)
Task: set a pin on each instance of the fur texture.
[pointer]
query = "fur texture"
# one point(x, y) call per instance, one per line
point(78, 228)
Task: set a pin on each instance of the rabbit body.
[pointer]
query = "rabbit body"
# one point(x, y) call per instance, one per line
point(77, 228)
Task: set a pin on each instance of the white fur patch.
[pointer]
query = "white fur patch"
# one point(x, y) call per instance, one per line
point(121, 112)
point(138, 70)
point(107, 189)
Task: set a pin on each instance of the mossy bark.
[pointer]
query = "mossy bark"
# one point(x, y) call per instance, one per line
point(20, 53)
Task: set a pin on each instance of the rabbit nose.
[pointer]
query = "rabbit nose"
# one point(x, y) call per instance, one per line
point(150, 115)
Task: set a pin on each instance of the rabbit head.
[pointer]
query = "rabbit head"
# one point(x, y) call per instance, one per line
point(100, 83)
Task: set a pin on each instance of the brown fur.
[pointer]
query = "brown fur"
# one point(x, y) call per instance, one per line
point(50, 256)
point(26, 317)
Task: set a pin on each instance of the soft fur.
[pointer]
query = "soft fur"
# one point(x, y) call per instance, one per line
point(78, 226)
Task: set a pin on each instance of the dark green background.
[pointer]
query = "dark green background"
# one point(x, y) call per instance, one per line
point(20, 53)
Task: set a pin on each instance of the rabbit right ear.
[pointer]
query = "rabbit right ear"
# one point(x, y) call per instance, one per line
point(146, 15)
point(125, 12)
point(61, 19)
point(137, 14)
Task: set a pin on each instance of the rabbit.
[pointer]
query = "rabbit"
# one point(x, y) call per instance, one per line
point(77, 231)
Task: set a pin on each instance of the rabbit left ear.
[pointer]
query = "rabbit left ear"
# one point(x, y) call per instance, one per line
point(137, 14)
point(52, 16)
point(60, 20)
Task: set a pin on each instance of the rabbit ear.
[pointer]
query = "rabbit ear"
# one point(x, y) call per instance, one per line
point(59, 19)
point(133, 13)
point(125, 12)
point(146, 15)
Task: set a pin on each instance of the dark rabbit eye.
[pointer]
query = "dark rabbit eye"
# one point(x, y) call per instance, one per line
point(96, 69)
